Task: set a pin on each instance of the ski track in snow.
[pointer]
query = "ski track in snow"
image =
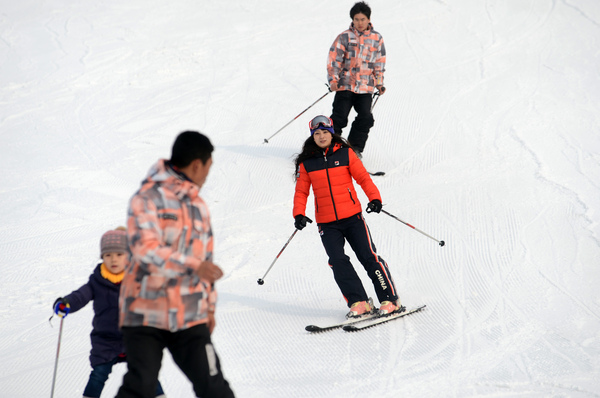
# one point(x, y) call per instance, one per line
point(488, 135)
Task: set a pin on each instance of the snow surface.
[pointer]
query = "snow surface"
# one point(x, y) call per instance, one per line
point(488, 134)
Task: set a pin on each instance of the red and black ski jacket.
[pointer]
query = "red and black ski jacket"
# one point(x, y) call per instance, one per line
point(330, 176)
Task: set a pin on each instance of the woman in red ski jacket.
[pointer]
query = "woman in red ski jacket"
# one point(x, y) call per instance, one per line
point(328, 164)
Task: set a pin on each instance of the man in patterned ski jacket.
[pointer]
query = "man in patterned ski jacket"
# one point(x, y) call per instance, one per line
point(167, 296)
point(355, 67)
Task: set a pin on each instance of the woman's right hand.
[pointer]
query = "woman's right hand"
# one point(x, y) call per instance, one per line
point(300, 221)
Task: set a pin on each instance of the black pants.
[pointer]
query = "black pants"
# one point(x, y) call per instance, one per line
point(354, 230)
point(192, 351)
point(98, 378)
point(342, 104)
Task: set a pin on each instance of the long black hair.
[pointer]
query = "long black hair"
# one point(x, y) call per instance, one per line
point(310, 149)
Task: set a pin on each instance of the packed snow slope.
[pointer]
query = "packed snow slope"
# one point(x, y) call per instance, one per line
point(488, 134)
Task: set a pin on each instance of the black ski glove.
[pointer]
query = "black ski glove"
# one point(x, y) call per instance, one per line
point(300, 221)
point(374, 206)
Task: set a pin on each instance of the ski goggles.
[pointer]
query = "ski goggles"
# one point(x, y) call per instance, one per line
point(321, 122)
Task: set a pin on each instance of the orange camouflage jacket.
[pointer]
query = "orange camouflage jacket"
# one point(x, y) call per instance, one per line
point(356, 60)
point(169, 235)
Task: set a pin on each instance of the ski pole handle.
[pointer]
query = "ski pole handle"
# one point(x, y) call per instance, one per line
point(440, 242)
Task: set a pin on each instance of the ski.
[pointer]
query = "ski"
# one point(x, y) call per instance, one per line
point(349, 322)
point(378, 320)
point(377, 173)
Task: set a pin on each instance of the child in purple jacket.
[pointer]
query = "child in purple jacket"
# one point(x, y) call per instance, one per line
point(103, 287)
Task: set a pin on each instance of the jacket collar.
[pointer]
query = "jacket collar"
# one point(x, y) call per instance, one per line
point(175, 170)
point(365, 32)
point(332, 148)
point(175, 181)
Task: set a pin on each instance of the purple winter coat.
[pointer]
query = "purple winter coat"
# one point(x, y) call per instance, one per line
point(107, 340)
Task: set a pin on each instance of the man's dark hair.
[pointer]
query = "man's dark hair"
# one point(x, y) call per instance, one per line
point(189, 146)
point(360, 8)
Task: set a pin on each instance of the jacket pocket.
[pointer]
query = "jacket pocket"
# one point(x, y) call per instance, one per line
point(351, 198)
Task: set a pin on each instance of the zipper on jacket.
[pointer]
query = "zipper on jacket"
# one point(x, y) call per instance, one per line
point(350, 193)
point(329, 184)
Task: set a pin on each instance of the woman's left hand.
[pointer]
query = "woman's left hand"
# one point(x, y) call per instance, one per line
point(374, 206)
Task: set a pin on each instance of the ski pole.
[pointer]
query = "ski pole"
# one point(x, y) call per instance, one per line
point(57, 352)
point(261, 281)
point(377, 94)
point(288, 123)
point(376, 99)
point(440, 242)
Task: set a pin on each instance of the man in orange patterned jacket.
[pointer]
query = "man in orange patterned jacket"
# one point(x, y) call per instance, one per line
point(167, 296)
point(355, 68)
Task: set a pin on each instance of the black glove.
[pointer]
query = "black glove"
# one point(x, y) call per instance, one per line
point(374, 206)
point(300, 221)
point(61, 307)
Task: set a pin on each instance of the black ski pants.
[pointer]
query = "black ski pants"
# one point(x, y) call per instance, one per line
point(354, 230)
point(192, 351)
point(343, 102)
